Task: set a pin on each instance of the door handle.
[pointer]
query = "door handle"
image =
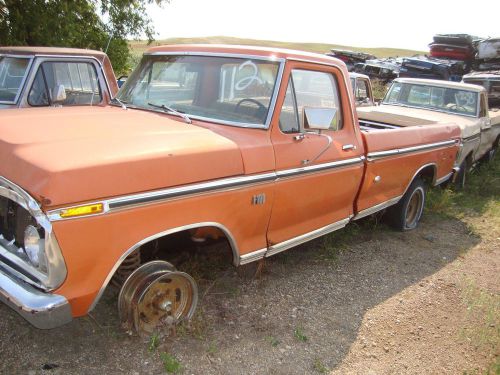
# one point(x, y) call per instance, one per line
point(348, 147)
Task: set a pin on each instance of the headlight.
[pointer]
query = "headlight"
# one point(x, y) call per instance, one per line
point(34, 246)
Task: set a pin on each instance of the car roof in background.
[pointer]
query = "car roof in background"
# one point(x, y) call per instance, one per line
point(438, 83)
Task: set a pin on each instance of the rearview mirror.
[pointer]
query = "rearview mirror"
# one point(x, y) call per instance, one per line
point(58, 94)
point(320, 118)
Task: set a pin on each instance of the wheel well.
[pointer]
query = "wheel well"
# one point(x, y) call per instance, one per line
point(428, 174)
point(198, 238)
point(176, 246)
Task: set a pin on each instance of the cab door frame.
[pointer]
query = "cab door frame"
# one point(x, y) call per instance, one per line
point(316, 188)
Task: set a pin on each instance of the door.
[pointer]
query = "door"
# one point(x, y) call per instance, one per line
point(319, 172)
point(487, 133)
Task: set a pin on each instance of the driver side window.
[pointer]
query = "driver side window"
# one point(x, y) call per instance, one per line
point(308, 89)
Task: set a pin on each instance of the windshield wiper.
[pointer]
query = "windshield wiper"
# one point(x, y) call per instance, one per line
point(172, 111)
point(120, 102)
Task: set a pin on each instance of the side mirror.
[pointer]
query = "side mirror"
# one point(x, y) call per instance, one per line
point(320, 118)
point(58, 94)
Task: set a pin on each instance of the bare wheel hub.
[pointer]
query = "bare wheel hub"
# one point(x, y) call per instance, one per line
point(156, 295)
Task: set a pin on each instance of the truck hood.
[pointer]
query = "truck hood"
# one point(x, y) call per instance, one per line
point(406, 116)
point(68, 155)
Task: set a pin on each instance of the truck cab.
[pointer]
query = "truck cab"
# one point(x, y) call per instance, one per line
point(45, 76)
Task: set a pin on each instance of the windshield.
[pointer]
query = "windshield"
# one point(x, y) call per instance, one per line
point(225, 89)
point(12, 72)
point(437, 98)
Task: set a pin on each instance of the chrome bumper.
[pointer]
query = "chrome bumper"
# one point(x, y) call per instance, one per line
point(43, 310)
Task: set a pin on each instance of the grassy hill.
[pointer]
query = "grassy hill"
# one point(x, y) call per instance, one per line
point(138, 47)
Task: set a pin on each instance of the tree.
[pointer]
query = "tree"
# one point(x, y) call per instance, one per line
point(77, 23)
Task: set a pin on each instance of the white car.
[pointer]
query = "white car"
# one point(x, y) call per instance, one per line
point(412, 102)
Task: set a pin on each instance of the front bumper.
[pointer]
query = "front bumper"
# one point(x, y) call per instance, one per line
point(43, 310)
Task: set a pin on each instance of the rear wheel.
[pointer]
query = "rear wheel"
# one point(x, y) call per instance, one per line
point(406, 214)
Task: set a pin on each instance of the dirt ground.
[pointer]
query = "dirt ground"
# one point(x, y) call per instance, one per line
point(426, 301)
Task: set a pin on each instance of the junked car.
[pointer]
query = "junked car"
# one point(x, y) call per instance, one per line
point(412, 101)
point(257, 149)
point(46, 76)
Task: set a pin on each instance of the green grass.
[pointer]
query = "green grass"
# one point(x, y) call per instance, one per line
point(481, 195)
point(298, 333)
point(320, 367)
point(138, 47)
point(154, 341)
point(273, 341)
point(170, 363)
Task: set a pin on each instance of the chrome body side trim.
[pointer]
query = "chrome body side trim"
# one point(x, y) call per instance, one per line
point(55, 262)
point(318, 167)
point(445, 178)
point(472, 138)
point(43, 310)
point(227, 233)
point(401, 151)
point(225, 183)
point(113, 204)
point(285, 245)
point(371, 210)
point(253, 256)
point(25, 77)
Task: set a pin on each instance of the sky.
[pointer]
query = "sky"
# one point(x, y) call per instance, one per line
point(407, 24)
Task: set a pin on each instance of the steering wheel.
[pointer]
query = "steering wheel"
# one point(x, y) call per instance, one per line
point(259, 104)
point(456, 106)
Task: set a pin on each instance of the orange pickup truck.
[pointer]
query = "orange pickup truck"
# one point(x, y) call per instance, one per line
point(257, 148)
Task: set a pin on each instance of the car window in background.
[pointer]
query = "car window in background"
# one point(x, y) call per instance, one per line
point(79, 80)
point(12, 72)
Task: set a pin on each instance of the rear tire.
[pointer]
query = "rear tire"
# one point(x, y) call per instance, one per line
point(406, 214)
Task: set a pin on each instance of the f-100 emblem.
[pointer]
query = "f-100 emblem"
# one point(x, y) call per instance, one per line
point(259, 199)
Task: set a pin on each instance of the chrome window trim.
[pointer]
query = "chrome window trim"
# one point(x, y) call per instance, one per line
point(272, 102)
point(99, 69)
point(23, 81)
point(401, 151)
point(224, 229)
point(56, 266)
point(141, 199)
point(216, 54)
point(311, 61)
point(99, 62)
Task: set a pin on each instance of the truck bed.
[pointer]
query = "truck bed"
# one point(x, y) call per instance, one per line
point(395, 155)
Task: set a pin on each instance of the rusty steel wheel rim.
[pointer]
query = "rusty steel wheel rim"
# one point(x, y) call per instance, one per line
point(414, 209)
point(156, 295)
